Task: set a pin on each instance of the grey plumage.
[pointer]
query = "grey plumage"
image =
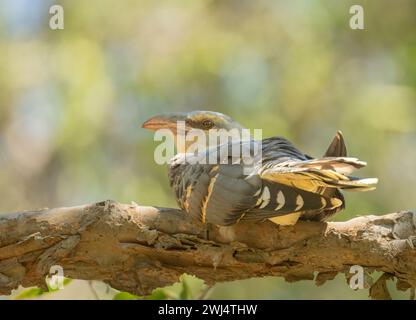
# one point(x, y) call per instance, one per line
point(222, 194)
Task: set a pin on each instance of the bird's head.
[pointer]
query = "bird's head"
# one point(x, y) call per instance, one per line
point(203, 120)
point(182, 123)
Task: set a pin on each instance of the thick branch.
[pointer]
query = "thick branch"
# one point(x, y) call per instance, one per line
point(137, 249)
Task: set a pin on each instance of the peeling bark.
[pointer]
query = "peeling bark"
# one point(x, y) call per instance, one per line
point(137, 249)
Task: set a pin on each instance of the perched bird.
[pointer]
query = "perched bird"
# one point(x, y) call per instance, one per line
point(284, 185)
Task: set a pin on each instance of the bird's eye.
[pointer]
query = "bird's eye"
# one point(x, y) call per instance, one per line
point(207, 124)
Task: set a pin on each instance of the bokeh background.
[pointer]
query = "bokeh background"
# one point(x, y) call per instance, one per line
point(72, 100)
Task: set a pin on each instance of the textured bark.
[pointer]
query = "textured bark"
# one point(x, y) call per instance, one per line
point(138, 249)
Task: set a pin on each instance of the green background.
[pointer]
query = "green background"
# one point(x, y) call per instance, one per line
point(72, 100)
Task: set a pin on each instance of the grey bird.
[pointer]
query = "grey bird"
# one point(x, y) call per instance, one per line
point(285, 184)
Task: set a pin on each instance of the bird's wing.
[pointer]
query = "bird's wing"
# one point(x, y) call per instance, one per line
point(222, 193)
point(279, 149)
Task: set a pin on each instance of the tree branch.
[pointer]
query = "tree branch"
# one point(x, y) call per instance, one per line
point(138, 249)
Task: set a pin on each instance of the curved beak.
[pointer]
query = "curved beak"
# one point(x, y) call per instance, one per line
point(158, 122)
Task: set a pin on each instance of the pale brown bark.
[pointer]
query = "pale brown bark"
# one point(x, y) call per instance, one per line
point(138, 249)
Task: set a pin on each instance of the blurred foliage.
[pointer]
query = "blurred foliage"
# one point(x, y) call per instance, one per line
point(29, 293)
point(72, 100)
point(188, 287)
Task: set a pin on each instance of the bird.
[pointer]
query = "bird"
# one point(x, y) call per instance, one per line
point(284, 185)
